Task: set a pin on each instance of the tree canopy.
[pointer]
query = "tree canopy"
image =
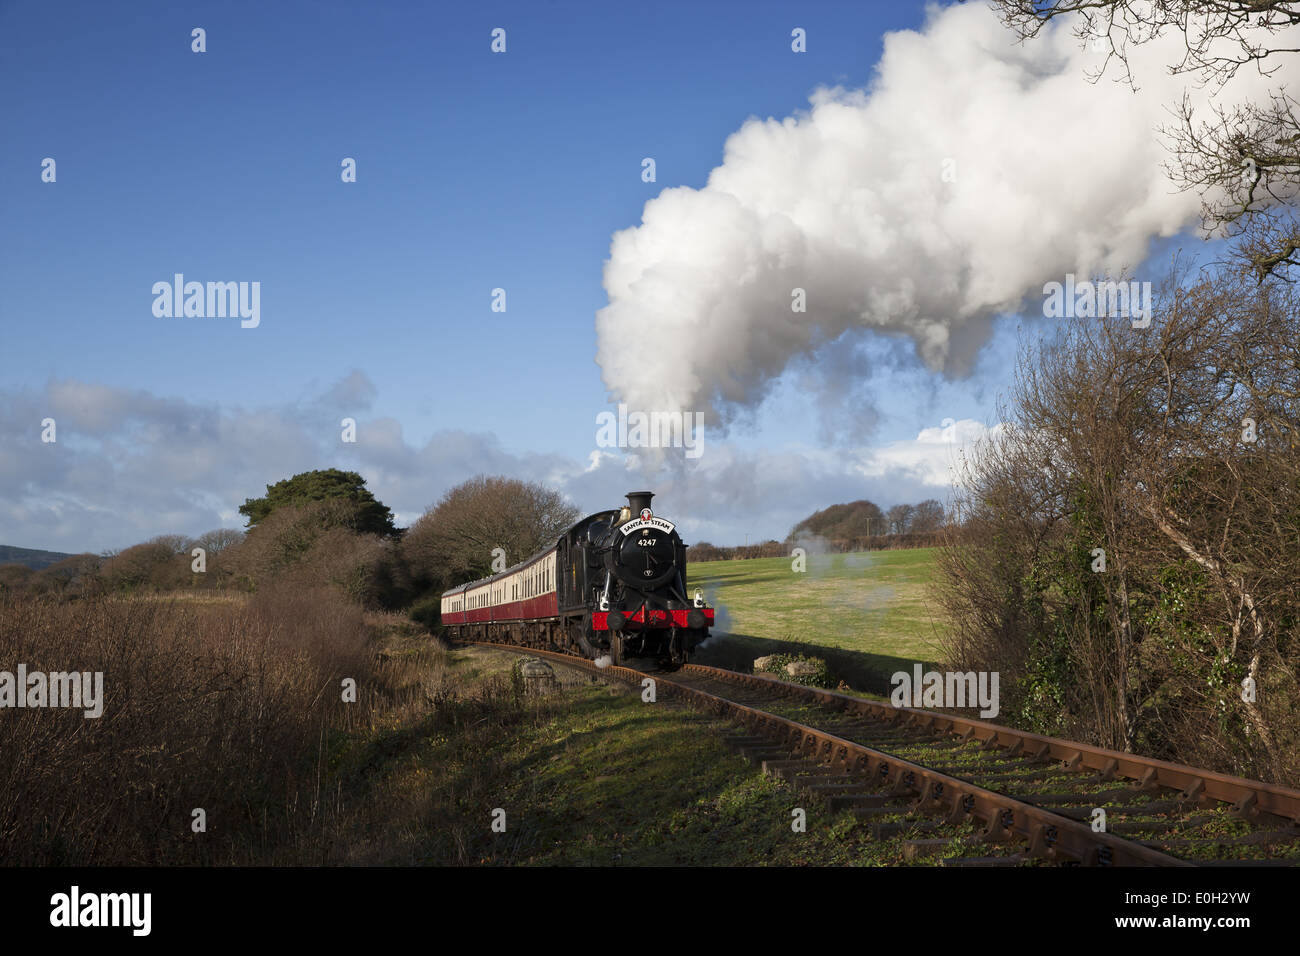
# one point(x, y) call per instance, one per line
point(851, 520)
point(372, 517)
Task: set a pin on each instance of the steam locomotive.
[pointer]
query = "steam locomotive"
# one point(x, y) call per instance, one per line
point(613, 585)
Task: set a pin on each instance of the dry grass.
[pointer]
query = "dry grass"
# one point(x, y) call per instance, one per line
point(236, 708)
point(220, 707)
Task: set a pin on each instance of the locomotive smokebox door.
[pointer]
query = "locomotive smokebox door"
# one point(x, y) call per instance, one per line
point(644, 559)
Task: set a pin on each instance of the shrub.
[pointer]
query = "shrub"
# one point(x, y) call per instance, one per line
point(428, 611)
point(813, 672)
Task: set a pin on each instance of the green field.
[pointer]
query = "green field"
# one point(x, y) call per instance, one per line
point(868, 613)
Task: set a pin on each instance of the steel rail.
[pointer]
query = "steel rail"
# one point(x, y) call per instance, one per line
point(1244, 794)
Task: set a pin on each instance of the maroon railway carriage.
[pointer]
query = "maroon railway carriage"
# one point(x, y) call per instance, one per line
point(613, 585)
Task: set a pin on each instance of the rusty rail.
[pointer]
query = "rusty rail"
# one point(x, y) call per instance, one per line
point(1242, 793)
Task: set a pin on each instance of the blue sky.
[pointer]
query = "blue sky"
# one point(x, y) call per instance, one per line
point(475, 171)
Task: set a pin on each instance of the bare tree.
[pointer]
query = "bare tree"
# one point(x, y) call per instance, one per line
point(455, 541)
point(214, 542)
point(1220, 36)
point(900, 519)
point(928, 517)
point(1245, 164)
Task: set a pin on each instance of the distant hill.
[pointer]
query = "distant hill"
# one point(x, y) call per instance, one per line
point(853, 526)
point(30, 557)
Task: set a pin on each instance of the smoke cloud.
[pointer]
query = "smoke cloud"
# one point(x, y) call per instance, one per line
point(973, 170)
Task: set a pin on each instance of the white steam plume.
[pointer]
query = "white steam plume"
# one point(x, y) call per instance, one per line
point(1053, 174)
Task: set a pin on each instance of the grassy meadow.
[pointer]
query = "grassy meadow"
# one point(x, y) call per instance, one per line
point(868, 613)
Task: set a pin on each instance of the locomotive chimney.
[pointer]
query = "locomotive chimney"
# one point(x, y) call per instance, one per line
point(636, 500)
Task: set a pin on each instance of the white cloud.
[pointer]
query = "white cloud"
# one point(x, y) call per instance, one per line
point(934, 458)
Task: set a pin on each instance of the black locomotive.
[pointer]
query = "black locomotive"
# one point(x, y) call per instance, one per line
point(614, 585)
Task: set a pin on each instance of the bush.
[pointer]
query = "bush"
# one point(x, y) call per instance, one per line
point(160, 564)
point(318, 543)
point(814, 673)
point(428, 611)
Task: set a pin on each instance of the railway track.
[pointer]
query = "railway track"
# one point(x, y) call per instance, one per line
point(995, 795)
